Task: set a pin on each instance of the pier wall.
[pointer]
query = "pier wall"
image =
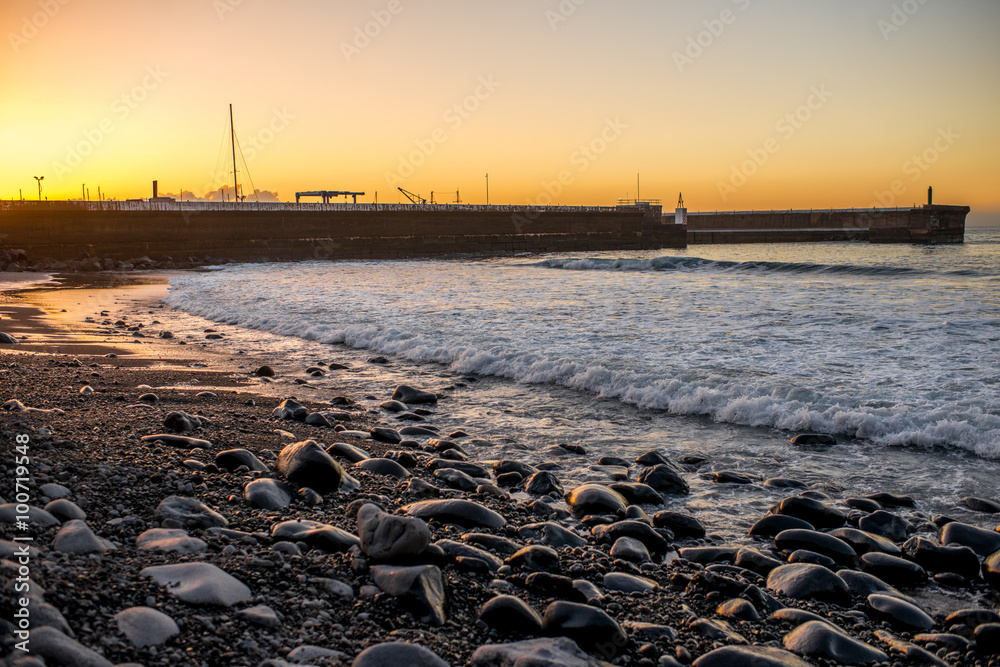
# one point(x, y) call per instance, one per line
point(924, 224)
point(249, 232)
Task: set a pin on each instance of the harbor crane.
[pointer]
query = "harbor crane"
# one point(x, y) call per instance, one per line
point(415, 198)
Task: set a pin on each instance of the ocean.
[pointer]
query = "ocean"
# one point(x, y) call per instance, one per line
point(722, 351)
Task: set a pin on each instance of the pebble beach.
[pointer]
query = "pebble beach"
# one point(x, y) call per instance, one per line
point(194, 506)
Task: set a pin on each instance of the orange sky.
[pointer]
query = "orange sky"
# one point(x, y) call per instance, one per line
point(738, 103)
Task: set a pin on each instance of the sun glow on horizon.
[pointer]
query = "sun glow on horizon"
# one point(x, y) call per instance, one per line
point(738, 104)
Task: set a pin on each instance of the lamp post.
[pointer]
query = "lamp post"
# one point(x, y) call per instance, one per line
point(487, 189)
point(39, 179)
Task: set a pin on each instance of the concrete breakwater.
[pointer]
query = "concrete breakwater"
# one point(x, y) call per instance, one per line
point(922, 224)
point(64, 231)
point(54, 235)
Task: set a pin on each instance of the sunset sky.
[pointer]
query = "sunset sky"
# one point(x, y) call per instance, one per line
point(740, 104)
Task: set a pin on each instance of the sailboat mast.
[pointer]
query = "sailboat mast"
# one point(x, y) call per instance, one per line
point(232, 137)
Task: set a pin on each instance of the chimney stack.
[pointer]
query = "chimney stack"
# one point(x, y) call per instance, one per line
point(930, 196)
point(154, 190)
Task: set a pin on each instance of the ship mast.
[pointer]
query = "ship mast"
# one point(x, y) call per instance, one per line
point(232, 137)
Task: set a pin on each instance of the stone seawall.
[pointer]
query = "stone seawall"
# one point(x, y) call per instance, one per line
point(924, 224)
point(66, 230)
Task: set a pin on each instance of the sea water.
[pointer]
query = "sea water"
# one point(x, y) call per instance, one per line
point(726, 351)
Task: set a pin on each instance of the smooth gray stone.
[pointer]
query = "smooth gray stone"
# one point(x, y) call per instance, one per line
point(863, 542)
point(181, 422)
point(892, 500)
point(76, 537)
point(543, 482)
point(784, 483)
point(933, 557)
point(681, 525)
point(637, 493)
point(53, 491)
point(461, 550)
point(397, 654)
point(731, 477)
point(806, 581)
point(290, 409)
point(983, 542)
point(649, 631)
point(535, 558)
point(812, 511)
point(983, 505)
point(199, 583)
point(261, 616)
point(306, 464)
point(655, 458)
point(638, 530)
point(470, 469)
point(268, 494)
point(664, 479)
point(302, 655)
point(510, 615)
point(894, 570)
point(590, 627)
point(495, 543)
point(822, 640)
point(753, 560)
point(772, 524)
point(739, 609)
point(813, 439)
point(10, 550)
point(465, 513)
point(231, 459)
point(900, 614)
point(797, 616)
point(507, 465)
point(388, 435)
point(863, 584)
point(750, 656)
point(456, 479)
point(593, 498)
point(58, 649)
point(588, 591)
point(887, 525)
point(863, 504)
point(65, 510)
point(144, 626)
point(7, 339)
point(180, 441)
point(36, 515)
point(718, 630)
point(170, 540)
point(386, 467)
point(352, 453)
point(971, 618)
point(628, 583)
point(813, 540)
point(544, 652)
point(708, 555)
point(551, 534)
point(419, 586)
point(393, 406)
point(389, 537)
point(991, 570)
point(189, 512)
point(631, 549)
point(317, 535)
point(413, 396)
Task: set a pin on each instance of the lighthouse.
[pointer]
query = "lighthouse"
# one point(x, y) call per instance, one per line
point(680, 213)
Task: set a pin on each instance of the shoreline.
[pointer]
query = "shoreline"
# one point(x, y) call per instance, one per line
point(94, 451)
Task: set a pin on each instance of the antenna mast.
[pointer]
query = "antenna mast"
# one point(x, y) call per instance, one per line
point(232, 137)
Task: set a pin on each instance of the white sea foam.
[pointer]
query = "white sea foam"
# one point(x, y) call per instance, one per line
point(897, 355)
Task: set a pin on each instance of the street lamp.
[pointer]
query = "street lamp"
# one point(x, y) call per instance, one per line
point(39, 179)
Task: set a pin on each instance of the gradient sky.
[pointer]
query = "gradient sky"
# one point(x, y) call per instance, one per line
point(562, 101)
